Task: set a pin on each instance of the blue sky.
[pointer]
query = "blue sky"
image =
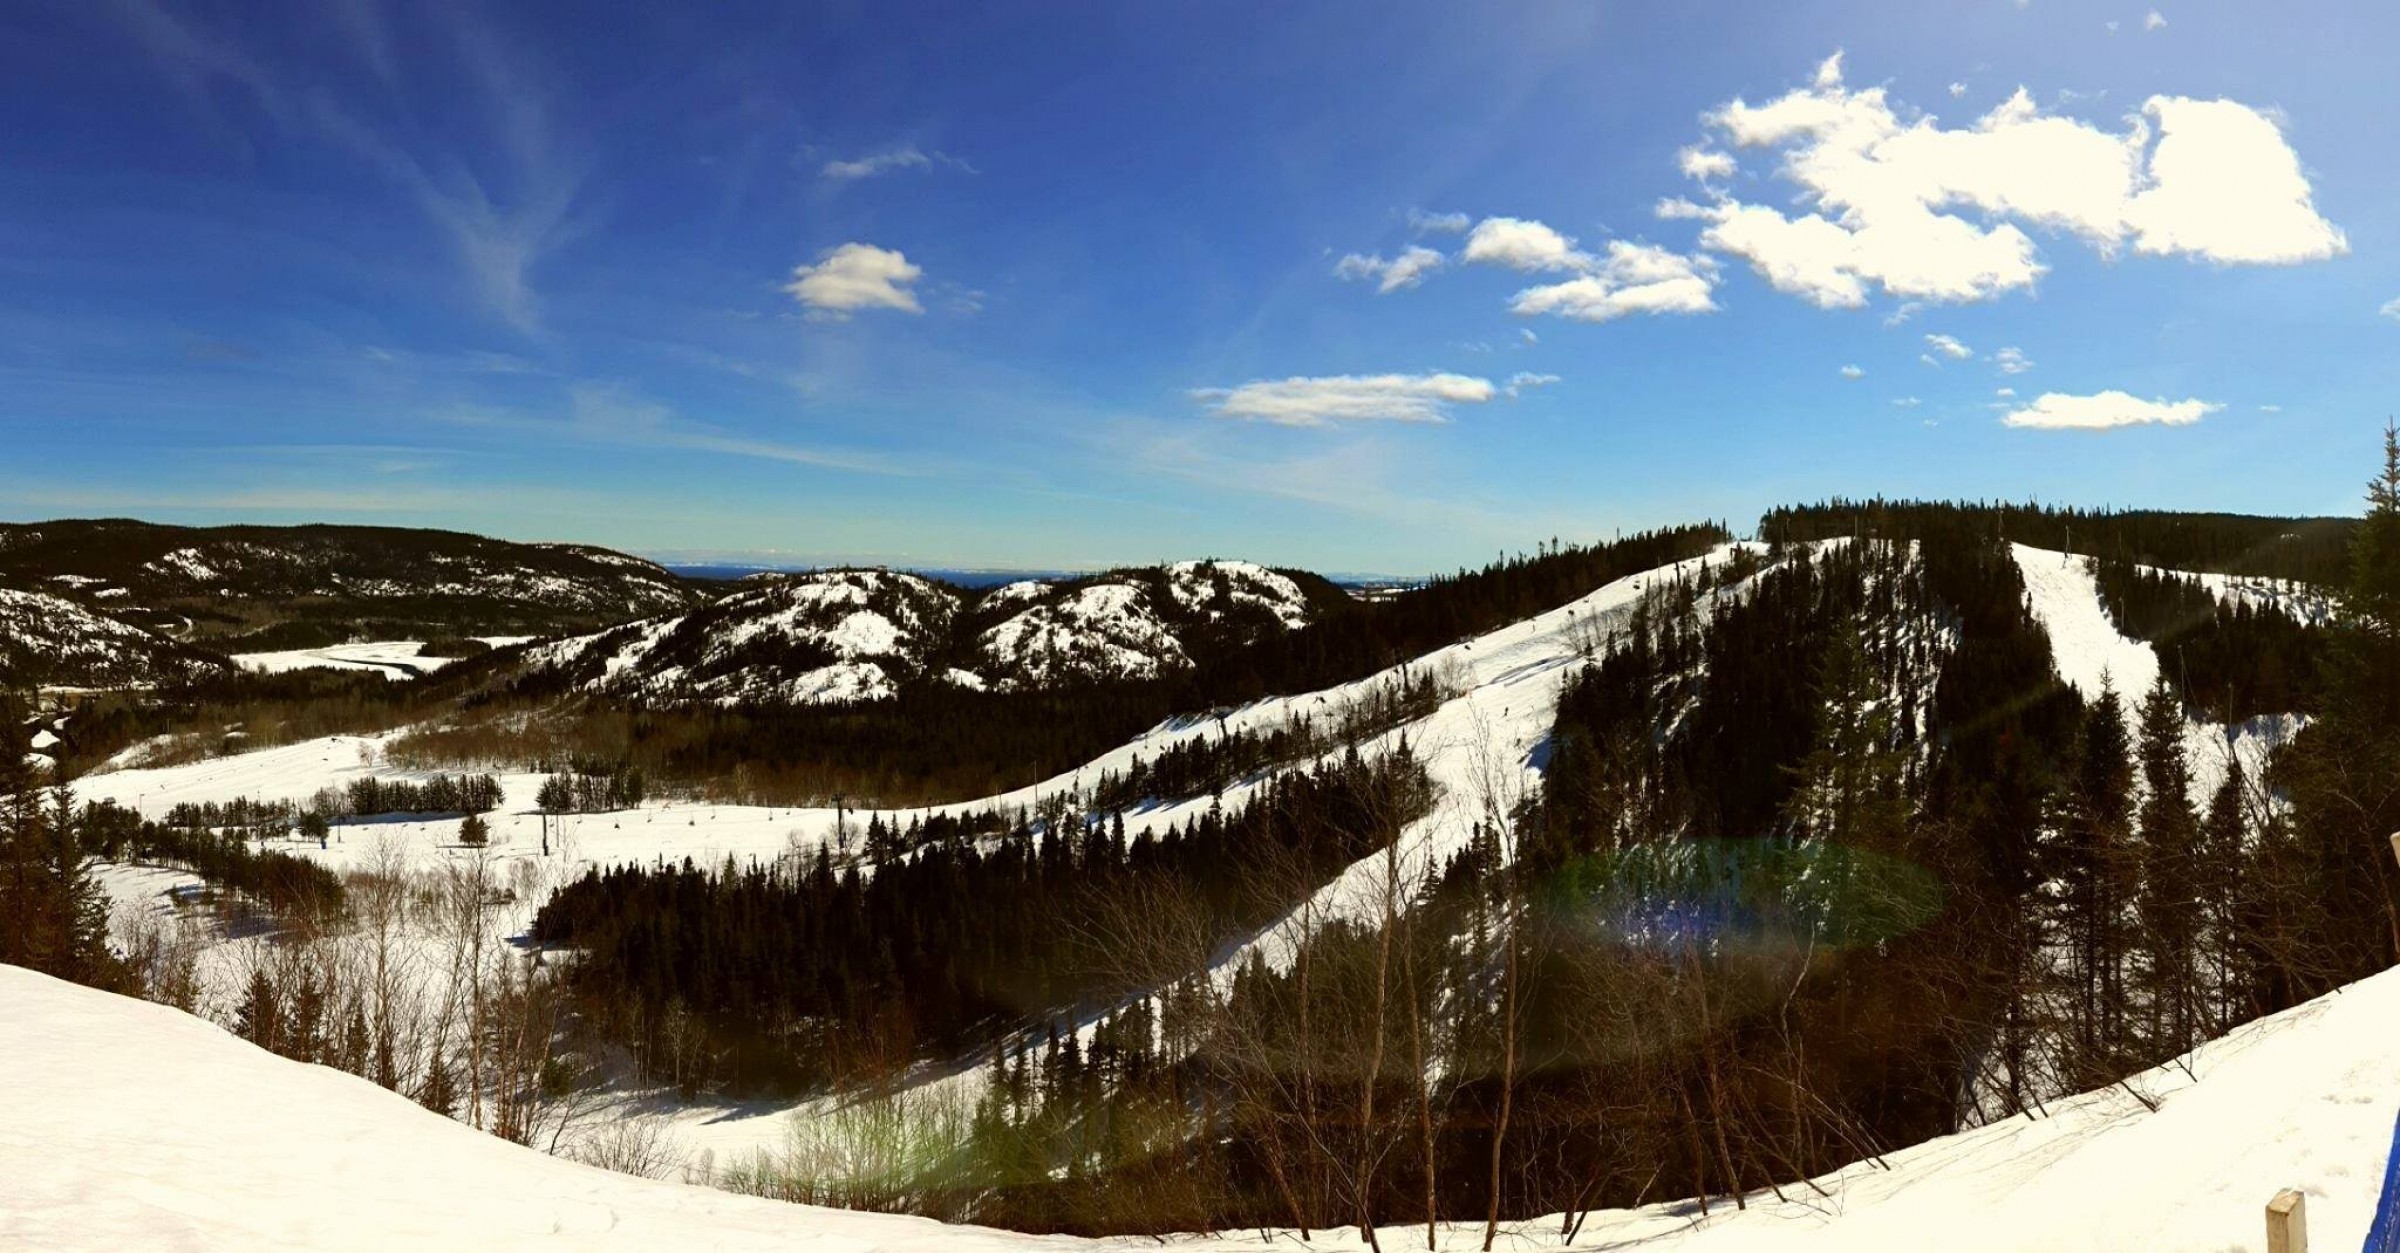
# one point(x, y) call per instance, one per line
point(1056, 285)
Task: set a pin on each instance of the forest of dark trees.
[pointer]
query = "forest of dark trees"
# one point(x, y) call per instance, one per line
point(796, 975)
point(2309, 550)
point(2234, 661)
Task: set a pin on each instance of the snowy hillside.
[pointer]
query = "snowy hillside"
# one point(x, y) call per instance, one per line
point(53, 642)
point(1135, 624)
point(828, 636)
point(850, 635)
point(122, 1114)
point(242, 579)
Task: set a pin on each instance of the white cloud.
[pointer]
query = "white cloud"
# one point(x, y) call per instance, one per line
point(1948, 346)
point(1630, 278)
point(2057, 411)
point(1706, 164)
point(1893, 200)
point(1853, 373)
point(1957, 90)
point(2270, 408)
point(886, 162)
point(1522, 244)
point(1526, 332)
point(1525, 380)
point(1348, 398)
point(2005, 393)
point(1445, 223)
point(1906, 402)
point(2155, 21)
point(2012, 361)
point(2226, 187)
point(856, 276)
point(2391, 308)
point(1927, 358)
point(1406, 270)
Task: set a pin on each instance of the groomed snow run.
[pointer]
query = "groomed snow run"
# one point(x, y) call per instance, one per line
point(131, 1125)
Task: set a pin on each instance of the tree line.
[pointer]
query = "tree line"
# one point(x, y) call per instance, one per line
point(797, 974)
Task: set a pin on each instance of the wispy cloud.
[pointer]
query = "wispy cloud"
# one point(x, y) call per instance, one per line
point(1948, 346)
point(500, 227)
point(1425, 223)
point(904, 158)
point(1348, 398)
point(1406, 270)
point(1524, 381)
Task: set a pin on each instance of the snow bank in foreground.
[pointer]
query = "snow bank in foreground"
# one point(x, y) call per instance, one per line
point(133, 1126)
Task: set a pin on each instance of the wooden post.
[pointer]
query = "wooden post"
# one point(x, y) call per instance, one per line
point(2287, 1222)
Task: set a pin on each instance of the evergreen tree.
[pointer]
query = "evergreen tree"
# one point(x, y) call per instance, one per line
point(1851, 788)
point(438, 1092)
point(2092, 870)
point(2224, 882)
point(2169, 892)
point(2343, 774)
point(259, 1018)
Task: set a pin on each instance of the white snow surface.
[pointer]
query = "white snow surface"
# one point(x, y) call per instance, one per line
point(132, 1125)
point(2090, 653)
point(397, 659)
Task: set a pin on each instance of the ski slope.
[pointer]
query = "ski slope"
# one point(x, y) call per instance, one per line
point(131, 1125)
point(2090, 653)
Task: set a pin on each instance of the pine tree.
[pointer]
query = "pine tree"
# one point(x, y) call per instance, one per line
point(2343, 774)
point(2168, 894)
point(438, 1092)
point(2091, 871)
point(1851, 790)
point(259, 1019)
point(2223, 882)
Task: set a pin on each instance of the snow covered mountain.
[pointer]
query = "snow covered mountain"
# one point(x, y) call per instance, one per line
point(49, 641)
point(822, 637)
point(298, 586)
point(835, 636)
point(1130, 624)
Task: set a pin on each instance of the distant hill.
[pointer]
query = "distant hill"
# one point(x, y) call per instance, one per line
point(838, 636)
point(48, 641)
point(254, 588)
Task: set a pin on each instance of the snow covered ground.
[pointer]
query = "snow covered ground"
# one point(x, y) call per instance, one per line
point(397, 659)
point(131, 1125)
